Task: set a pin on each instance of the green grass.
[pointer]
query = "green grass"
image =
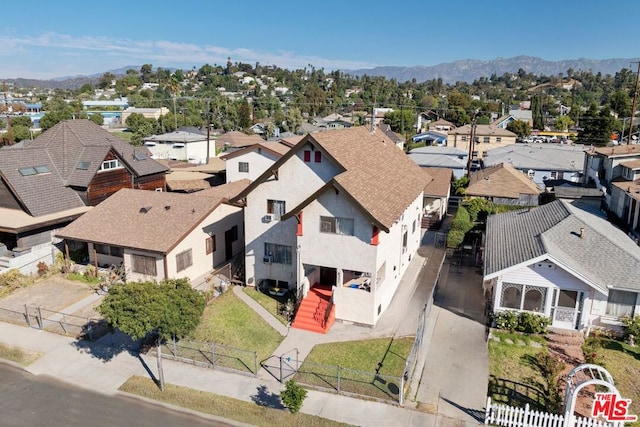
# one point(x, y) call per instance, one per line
point(126, 136)
point(513, 380)
point(229, 321)
point(270, 303)
point(79, 277)
point(19, 355)
point(623, 363)
point(370, 366)
point(222, 406)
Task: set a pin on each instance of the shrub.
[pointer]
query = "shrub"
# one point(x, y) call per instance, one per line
point(592, 350)
point(293, 396)
point(462, 221)
point(43, 268)
point(631, 326)
point(550, 369)
point(455, 238)
point(531, 323)
point(506, 320)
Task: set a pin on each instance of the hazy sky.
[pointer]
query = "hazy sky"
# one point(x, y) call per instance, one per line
point(48, 39)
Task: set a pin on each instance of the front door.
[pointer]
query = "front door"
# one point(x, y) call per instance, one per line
point(565, 310)
point(228, 244)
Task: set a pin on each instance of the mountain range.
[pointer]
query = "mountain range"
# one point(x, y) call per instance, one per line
point(466, 70)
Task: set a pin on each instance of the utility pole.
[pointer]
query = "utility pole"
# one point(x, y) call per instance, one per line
point(6, 105)
point(472, 142)
point(633, 106)
point(208, 130)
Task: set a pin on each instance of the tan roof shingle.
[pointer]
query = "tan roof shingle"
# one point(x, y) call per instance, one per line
point(502, 180)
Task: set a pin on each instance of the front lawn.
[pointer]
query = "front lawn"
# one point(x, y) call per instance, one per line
point(21, 356)
point(513, 379)
point(227, 320)
point(269, 302)
point(623, 363)
point(368, 367)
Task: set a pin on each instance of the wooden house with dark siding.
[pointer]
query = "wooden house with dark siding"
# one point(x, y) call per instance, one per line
point(48, 182)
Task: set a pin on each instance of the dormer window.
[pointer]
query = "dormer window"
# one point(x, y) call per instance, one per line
point(110, 164)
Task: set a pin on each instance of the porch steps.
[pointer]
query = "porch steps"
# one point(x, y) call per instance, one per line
point(311, 313)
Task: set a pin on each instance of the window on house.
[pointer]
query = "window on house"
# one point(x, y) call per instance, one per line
point(307, 156)
point(318, 157)
point(110, 164)
point(211, 244)
point(143, 264)
point(554, 175)
point(486, 139)
point(523, 297)
point(116, 251)
point(101, 249)
point(498, 139)
point(413, 230)
point(463, 138)
point(621, 303)
point(277, 254)
point(329, 224)
point(183, 260)
point(276, 208)
point(243, 167)
point(404, 241)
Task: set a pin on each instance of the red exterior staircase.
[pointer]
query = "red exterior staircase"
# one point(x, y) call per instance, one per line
point(316, 312)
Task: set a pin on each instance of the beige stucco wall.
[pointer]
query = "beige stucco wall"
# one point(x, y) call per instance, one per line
point(258, 163)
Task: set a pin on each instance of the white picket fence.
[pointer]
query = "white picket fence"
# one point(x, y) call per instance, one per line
point(510, 416)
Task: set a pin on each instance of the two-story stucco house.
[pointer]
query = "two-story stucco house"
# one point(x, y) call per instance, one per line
point(337, 220)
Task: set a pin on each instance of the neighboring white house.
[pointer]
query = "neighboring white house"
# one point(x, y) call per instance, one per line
point(564, 261)
point(441, 157)
point(188, 146)
point(340, 210)
point(160, 235)
point(250, 162)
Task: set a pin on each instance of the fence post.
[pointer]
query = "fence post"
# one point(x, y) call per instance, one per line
point(338, 377)
point(255, 362)
point(280, 369)
point(40, 318)
point(213, 354)
point(487, 410)
point(26, 313)
point(401, 393)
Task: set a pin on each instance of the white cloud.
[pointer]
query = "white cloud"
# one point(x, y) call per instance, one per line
point(93, 54)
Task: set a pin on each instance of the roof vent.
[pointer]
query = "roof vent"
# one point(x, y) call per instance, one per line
point(167, 207)
point(145, 209)
point(581, 232)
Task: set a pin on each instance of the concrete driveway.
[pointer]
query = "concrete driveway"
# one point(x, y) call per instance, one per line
point(456, 372)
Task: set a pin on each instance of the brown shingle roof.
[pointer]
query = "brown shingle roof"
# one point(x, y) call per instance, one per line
point(147, 220)
point(274, 147)
point(441, 183)
point(378, 176)
point(502, 180)
point(619, 150)
point(633, 164)
point(236, 139)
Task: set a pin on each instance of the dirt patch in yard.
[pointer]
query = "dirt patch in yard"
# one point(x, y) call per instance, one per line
point(53, 293)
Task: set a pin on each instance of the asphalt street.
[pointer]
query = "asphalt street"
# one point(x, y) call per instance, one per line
point(29, 400)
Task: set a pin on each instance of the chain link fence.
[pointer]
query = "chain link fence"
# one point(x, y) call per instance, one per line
point(212, 355)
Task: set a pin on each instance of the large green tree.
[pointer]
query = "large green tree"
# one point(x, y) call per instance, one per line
point(169, 309)
point(520, 128)
point(536, 112)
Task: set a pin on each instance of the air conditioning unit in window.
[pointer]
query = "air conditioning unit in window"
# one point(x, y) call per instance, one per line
point(267, 218)
point(266, 260)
